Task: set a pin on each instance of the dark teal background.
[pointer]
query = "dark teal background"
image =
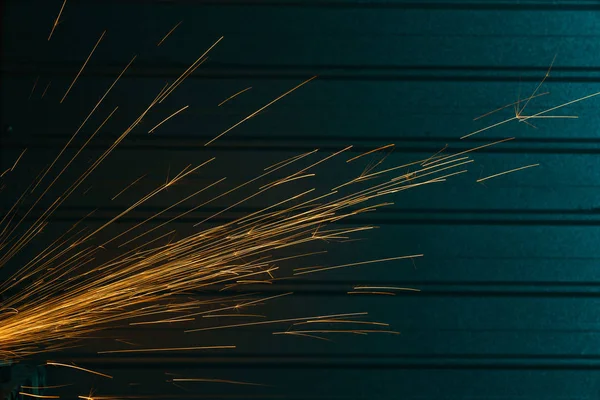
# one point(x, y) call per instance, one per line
point(509, 307)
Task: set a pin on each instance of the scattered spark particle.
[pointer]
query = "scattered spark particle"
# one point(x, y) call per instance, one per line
point(234, 96)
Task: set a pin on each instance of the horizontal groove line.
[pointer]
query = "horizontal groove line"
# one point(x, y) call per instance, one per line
point(198, 75)
point(398, 4)
point(492, 364)
point(363, 221)
point(206, 211)
point(284, 137)
point(297, 148)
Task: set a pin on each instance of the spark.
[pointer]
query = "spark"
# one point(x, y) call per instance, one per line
point(359, 263)
point(169, 33)
point(39, 396)
point(187, 72)
point(167, 349)
point(46, 89)
point(276, 321)
point(370, 152)
point(34, 86)
point(168, 118)
point(46, 387)
point(17, 161)
point(259, 110)
point(506, 172)
point(234, 96)
point(82, 67)
point(57, 364)
point(128, 186)
point(510, 105)
point(55, 24)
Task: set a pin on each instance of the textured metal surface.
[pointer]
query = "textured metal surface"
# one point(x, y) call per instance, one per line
point(509, 307)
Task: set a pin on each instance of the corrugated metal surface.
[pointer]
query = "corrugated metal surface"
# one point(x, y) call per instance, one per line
point(509, 306)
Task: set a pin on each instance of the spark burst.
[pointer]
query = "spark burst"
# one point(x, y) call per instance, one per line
point(64, 293)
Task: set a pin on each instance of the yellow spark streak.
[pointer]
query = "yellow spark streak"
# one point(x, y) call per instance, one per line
point(188, 72)
point(259, 110)
point(45, 90)
point(55, 24)
point(84, 122)
point(168, 33)
point(164, 321)
point(274, 321)
point(468, 151)
point(216, 381)
point(233, 315)
point(302, 335)
point(16, 162)
point(39, 396)
point(79, 368)
point(507, 172)
point(538, 86)
point(128, 186)
point(291, 159)
point(524, 118)
point(234, 96)
point(168, 118)
point(354, 331)
point(358, 263)
point(510, 105)
point(34, 86)
point(46, 387)
point(370, 152)
point(341, 321)
point(167, 349)
point(82, 67)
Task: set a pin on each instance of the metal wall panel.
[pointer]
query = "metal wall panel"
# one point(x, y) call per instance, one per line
point(509, 280)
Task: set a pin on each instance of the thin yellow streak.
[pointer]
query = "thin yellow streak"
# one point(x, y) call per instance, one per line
point(538, 86)
point(46, 387)
point(302, 334)
point(468, 151)
point(55, 24)
point(506, 172)
point(259, 110)
point(34, 86)
point(39, 396)
point(358, 263)
point(274, 321)
point(168, 33)
point(168, 118)
point(164, 321)
point(370, 152)
point(82, 67)
point(79, 368)
point(16, 162)
point(45, 90)
point(341, 321)
point(128, 186)
point(84, 122)
point(166, 349)
point(187, 72)
point(233, 315)
point(234, 96)
point(510, 105)
point(290, 160)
